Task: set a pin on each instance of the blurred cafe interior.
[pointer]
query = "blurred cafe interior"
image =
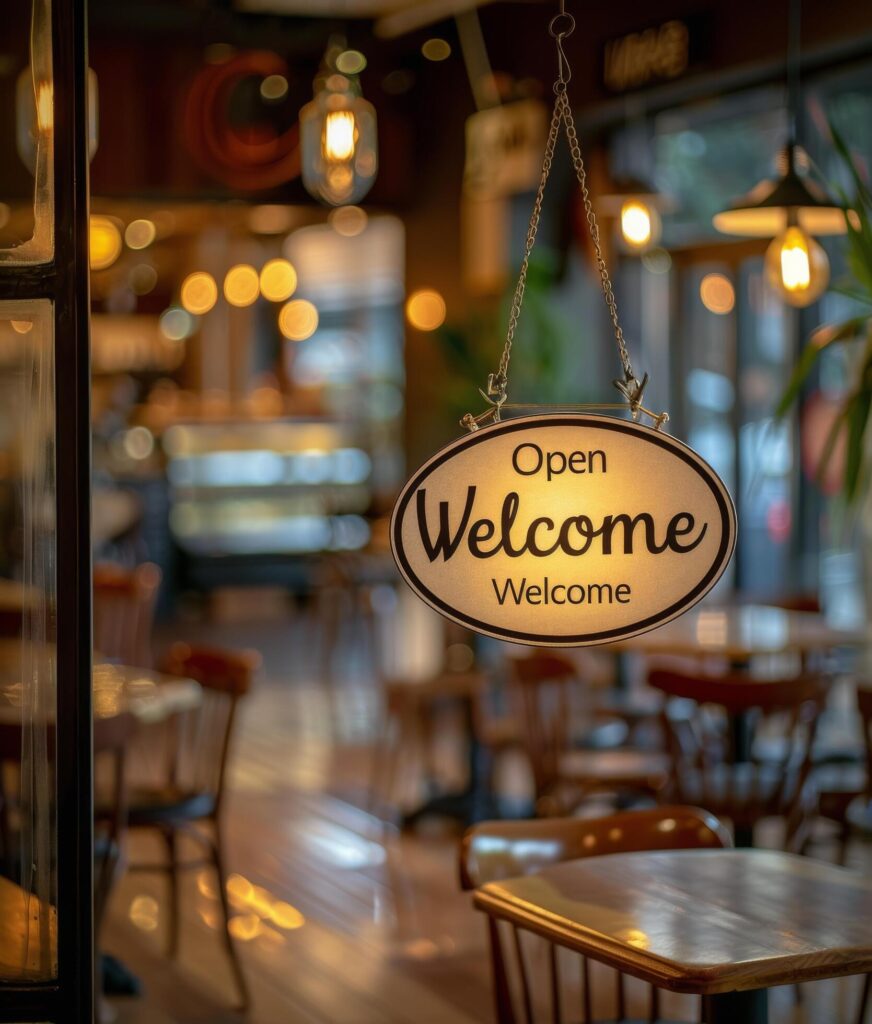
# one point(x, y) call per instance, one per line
point(258, 263)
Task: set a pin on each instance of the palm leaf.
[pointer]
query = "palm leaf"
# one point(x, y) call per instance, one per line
point(845, 331)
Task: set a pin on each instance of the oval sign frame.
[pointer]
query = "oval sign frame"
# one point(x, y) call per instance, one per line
point(645, 435)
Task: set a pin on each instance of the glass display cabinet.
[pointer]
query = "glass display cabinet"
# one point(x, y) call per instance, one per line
point(46, 930)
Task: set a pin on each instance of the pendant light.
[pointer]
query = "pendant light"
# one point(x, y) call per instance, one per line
point(636, 208)
point(338, 137)
point(633, 204)
point(792, 208)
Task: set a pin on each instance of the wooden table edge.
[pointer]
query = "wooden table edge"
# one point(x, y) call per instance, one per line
point(692, 979)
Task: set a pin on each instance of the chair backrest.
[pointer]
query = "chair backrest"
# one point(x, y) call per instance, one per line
point(202, 740)
point(779, 718)
point(494, 850)
point(502, 849)
point(124, 603)
point(543, 685)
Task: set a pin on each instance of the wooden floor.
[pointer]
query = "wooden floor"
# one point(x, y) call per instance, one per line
point(338, 918)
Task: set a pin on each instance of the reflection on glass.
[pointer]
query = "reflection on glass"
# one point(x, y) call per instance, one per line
point(27, 234)
point(27, 657)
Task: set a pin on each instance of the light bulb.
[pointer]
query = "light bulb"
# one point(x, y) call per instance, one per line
point(639, 224)
point(340, 136)
point(797, 267)
point(339, 142)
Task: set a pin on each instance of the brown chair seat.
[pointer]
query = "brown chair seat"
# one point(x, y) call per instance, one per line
point(619, 769)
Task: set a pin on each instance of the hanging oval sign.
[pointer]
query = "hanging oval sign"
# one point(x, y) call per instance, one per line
point(563, 530)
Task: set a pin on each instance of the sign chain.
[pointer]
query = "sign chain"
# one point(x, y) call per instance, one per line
point(497, 384)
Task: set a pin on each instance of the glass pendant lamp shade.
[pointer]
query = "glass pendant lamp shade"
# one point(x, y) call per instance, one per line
point(797, 267)
point(339, 141)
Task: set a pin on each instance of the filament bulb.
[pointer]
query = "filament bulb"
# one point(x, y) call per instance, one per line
point(797, 267)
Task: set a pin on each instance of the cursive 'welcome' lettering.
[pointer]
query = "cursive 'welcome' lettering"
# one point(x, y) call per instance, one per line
point(543, 536)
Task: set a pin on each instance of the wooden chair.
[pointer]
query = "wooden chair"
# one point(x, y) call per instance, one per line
point(547, 689)
point(189, 801)
point(842, 780)
point(493, 851)
point(111, 740)
point(124, 602)
point(742, 748)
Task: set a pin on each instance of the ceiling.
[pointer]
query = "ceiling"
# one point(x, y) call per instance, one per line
point(392, 17)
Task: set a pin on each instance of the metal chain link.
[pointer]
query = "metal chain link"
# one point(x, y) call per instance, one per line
point(561, 26)
point(593, 227)
point(497, 385)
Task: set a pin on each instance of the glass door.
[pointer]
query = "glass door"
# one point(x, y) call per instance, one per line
point(46, 942)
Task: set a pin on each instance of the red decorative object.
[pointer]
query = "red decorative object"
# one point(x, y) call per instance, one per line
point(254, 158)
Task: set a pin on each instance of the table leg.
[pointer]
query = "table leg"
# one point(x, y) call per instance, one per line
point(742, 738)
point(750, 1007)
point(474, 803)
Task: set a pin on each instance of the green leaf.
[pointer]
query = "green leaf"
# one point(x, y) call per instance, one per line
point(864, 298)
point(863, 193)
point(798, 378)
point(847, 330)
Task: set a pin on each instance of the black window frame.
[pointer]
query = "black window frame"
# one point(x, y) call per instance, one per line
point(65, 281)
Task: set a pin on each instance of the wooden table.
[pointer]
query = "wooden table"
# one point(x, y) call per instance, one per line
point(415, 696)
point(740, 632)
point(149, 696)
point(725, 924)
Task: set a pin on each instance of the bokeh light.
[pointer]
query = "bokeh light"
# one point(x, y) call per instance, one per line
point(138, 443)
point(143, 913)
point(241, 285)
point(105, 238)
point(436, 49)
point(140, 233)
point(348, 220)
point(142, 278)
point(298, 320)
point(22, 326)
point(199, 293)
point(278, 280)
point(657, 260)
point(398, 81)
point(717, 294)
point(176, 323)
point(425, 309)
point(350, 62)
point(274, 88)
